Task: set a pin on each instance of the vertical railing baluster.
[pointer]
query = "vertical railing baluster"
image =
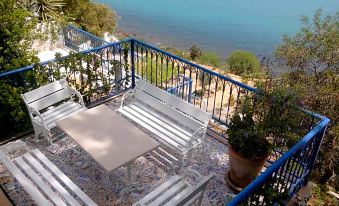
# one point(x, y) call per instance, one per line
point(132, 63)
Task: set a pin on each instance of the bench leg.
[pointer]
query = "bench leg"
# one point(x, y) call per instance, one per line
point(37, 132)
point(130, 185)
point(52, 147)
point(184, 161)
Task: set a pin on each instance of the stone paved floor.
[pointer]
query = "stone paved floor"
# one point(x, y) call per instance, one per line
point(86, 173)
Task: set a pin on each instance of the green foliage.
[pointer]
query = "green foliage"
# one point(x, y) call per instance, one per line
point(195, 52)
point(320, 197)
point(243, 62)
point(314, 53)
point(15, 36)
point(210, 59)
point(47, 10)
point(254, 131)
point(247, 137)
point(93, 17)
point(157, 72)
point(315, 48)
point(13, 116)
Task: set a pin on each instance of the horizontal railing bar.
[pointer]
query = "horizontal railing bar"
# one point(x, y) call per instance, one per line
point(88, 34)
point(276, 165)
point(260, 180)
point(199, 67)
point(30, 67)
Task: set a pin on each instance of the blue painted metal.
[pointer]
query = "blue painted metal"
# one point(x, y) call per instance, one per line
point(74, 38)
point(252, 89)
point(260, 180)
point(30, 67)
point(290, 170)
point(186, 83)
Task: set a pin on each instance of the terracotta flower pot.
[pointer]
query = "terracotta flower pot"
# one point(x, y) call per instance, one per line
point(242, 171)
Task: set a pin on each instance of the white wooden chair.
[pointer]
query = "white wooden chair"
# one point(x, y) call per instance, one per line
point(42, 180)
point(179, 125)
point(176, 191)
point(50, 103)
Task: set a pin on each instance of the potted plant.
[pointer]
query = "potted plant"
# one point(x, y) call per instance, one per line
point(254, 132)
point(249, 149)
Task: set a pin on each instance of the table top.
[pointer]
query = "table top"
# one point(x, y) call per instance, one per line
point(110, 139)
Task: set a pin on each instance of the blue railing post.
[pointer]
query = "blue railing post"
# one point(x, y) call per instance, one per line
point(132, 63)
point(319, 138)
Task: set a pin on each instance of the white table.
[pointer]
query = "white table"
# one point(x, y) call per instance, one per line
point(109, 139)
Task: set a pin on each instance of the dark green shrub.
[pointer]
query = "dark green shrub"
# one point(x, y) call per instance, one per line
point(243, 62)
point(195, 52)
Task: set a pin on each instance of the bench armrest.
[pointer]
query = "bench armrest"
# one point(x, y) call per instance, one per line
point(199, 132)
point(130, 93)
point(189, 172)
point(76, 93)
point(33, 111)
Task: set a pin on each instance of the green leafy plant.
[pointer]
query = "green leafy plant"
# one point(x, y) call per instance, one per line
point(91, 16)
point(243, 62)
point(247, 137)
point(271, 123)
point(209, 58)
point(313, 54)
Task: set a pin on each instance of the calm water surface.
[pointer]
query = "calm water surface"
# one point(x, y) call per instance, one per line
point(217, 25)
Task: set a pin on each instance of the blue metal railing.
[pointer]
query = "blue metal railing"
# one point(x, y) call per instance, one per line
point(179, 90)
point(116, 65)
point(79, 40)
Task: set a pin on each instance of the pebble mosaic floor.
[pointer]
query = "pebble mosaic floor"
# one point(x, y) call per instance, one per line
point(87, 174)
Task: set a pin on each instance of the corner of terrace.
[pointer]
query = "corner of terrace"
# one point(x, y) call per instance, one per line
point(146, 116)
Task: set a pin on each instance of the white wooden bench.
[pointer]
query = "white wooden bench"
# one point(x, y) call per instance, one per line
point(175, 123)
point(176, 192)
point(43, 181)
point(50, 103)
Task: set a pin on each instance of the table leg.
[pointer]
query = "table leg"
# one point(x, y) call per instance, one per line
point(130, 184)
point(105, 179)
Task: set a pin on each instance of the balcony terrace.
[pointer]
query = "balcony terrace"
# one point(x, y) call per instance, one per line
point(107, 70)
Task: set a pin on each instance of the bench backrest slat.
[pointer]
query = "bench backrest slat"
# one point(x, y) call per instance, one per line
point(41, 92)
point(23, 180)
point(169, 111)
point(50, 99)
point(174, 101)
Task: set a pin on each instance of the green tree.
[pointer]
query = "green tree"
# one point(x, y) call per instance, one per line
point(313, 53)
point(16, 35)
point(45, 9)
point(93, 17)
point(315, 48)
point(243, 62)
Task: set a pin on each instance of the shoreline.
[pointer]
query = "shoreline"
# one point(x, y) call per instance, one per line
point(276, 70)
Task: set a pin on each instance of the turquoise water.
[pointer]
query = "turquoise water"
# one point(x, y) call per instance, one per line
point(216, 25)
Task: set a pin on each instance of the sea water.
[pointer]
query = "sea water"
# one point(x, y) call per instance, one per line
point(216, 25)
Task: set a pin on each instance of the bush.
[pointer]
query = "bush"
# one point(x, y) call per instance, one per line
point(313, 54)
point(195, 52)
point(243, 62)
point(210, 59)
